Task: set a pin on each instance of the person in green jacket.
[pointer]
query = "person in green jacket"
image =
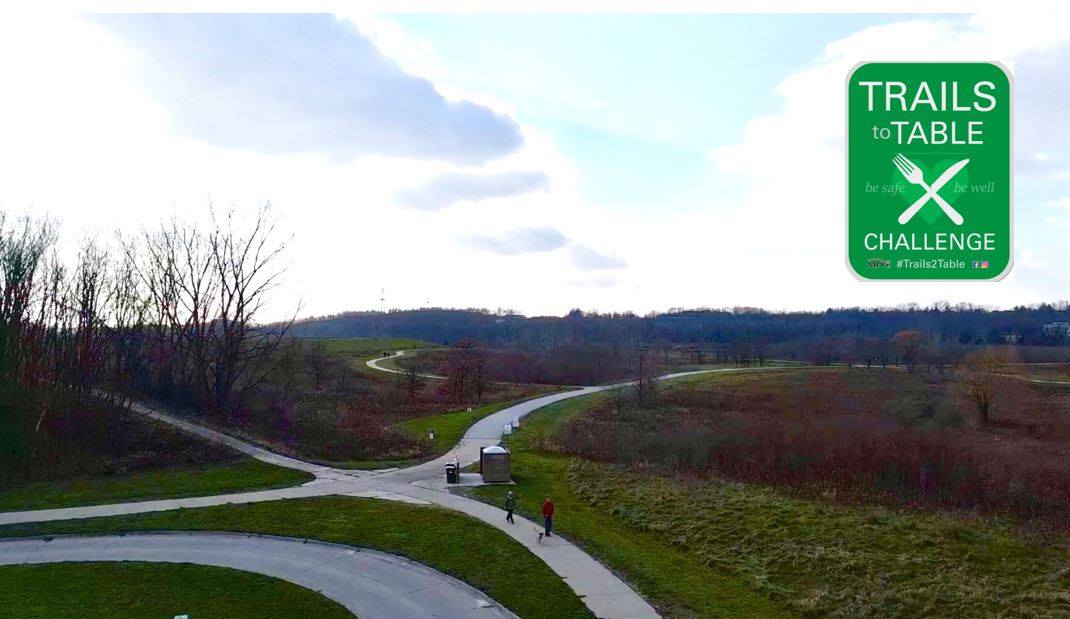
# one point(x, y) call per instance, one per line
point(510, 505)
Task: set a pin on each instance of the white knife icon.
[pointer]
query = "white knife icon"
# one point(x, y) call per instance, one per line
point(930, 193)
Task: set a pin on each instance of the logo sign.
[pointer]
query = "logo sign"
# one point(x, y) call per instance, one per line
point(929, 171)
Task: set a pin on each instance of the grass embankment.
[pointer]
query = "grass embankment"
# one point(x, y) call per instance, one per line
point(455, 544)
point(239, 475)
point(135, 589)
point(715, 549)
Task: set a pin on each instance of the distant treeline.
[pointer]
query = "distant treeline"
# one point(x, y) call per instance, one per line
point(941, 324)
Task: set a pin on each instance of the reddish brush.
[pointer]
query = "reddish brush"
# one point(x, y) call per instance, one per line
point(893, 440)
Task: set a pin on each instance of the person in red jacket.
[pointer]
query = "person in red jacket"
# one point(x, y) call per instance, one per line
point(548, 515)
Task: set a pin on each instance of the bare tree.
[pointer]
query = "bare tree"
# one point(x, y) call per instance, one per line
point(645, 372)
point(619, 396)
point(459, 368)
point(761, 345)
point(128, 313)
point(317, 362)
point(480, 378)
point(174, 266)
point(23, 247)
point(412, 370)
point(909, 347)
point(979, 379)
point(246, 269)
point(26, 275)
point(741, 350)
point(90, 296)
point(207, 289)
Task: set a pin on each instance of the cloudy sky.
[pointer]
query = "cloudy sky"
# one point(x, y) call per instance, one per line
point(537, 163)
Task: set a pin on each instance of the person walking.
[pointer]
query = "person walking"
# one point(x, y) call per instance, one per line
point(510, 505)
point(548, 515)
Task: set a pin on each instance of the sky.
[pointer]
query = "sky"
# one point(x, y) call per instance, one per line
point(535, 163)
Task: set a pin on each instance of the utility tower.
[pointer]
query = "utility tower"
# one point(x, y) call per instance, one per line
point(382, 300)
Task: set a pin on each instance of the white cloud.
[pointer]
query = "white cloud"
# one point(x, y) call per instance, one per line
point(541, 239)
point(1063, 203)
point(1040, 165)
point(585, 258)
point(282, 84)
point(518, 241)
point(451, 188)
point(1029, 259)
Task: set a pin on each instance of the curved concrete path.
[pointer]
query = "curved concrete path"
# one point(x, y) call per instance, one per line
point(603, 592)
point(374, 364)
point(370, 584)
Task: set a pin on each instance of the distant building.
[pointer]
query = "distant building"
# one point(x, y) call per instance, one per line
point(1057, 329)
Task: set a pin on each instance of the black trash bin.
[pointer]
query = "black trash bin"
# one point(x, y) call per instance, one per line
point(452, 474)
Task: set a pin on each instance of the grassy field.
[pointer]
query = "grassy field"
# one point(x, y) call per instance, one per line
point(450, 427)
point(1054, 372)
point(239, 475)
point(358, 351)
point(136, 589)
point(450, 542)
point(711, 548)
point(889, 437)
point(372, 346)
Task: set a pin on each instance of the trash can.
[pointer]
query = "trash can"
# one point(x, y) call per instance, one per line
point(452, 473)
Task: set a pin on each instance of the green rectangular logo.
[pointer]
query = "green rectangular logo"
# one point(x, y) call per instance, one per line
point(929, 171)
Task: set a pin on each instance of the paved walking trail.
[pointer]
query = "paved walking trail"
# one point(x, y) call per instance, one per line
point(602, 591)
point(367, 582)
point(375, 365)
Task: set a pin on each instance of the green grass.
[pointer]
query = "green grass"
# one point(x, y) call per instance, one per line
point(449, 429)
point(217, 478)
point(372, 346)
point(135, 589)
point(453, 543)
point(360, 350)
point(712, 548)
point(677, 582)
point(450, 426)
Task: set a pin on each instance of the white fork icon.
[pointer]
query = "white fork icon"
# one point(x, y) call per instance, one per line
point(913, 175)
